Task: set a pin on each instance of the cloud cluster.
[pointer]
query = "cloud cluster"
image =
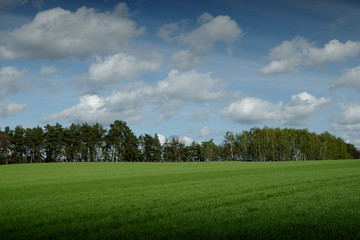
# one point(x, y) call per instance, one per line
point(257, 111)
point(201, 40)
point(129, 103)
point(118, 68)
point(191, 86)
point(11, 82)
point(353, 138)
point(289, 56)
point(8, 108)
point(350, 78)
point(58, 33)
point(349, 119)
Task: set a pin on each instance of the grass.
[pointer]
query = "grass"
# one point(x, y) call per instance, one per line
point(215, 200)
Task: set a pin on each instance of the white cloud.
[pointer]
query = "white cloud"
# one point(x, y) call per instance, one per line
point(93, 108)
point(169, 31)
point(119, 67)
point(349, 119)
point(186, 141)
point(303, 105)
point(11, 81)
point(350, 78)
point(164, 96)
point(333, 51)
point(201, 40)
point(8, 108)
point(289, 56)
point(121, 10)
point(162, 138)
point(252, 111)
point(353, 138)
point(204, 132)
point(257, 111)
point(191, 86)
point(204, 18)
point(58, 33)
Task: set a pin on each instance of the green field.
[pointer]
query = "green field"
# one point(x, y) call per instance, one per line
point(215, 200)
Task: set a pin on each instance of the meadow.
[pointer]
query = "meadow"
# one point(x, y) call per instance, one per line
point(199, 200)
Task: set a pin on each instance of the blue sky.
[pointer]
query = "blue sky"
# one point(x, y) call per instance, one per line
point(194, 69)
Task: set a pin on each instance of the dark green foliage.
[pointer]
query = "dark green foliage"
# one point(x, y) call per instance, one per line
point(34, 144)
point(93, 143)
point(122, 143)
point(5, 143)
point(355, 153)
point(174, 150)
point(150, 148)
point(53, 143)
point(209, 151)
point(269, 144)
point(194, 152)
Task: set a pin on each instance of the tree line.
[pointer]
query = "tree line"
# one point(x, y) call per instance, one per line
point(118, 143)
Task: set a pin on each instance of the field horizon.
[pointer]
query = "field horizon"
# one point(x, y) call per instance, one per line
point(192, 200)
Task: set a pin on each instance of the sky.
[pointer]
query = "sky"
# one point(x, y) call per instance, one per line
point(191, 68)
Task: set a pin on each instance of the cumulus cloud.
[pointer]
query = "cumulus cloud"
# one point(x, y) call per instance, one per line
point(162, 138)
point(119, 67)
point(333, 51)
point(289, 56)
point(186, 141)
point(129, 103)
point(353, 138)
point(126, 104)
point(252, 111)
point(11, 82)
point(349, 119)
point(8, 108)
point(169, 32)
point(204, 132)
point(204, 18)
point(191, 86)
point(302, 105)
point(90, 108)
point(257, 111)
point(350, 78)
point(57, 33)
point(201, 40)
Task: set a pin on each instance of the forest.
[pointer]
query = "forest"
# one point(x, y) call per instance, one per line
point(118, 143)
